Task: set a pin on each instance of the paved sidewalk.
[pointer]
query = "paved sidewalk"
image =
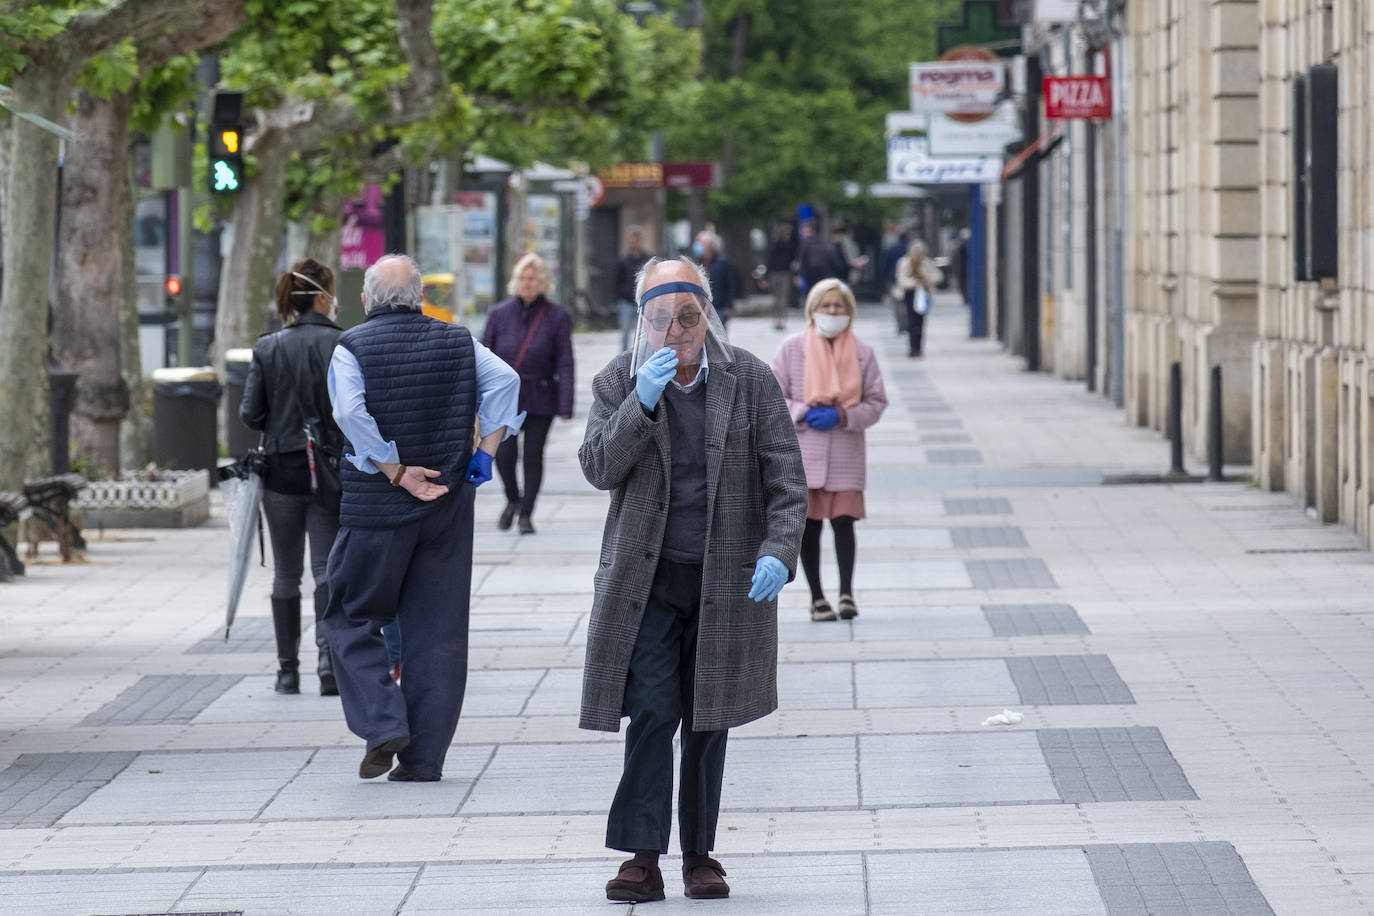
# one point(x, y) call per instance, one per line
point(1194, 664)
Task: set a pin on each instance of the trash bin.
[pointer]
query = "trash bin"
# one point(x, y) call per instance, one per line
point(241, 438)
point(185, 409)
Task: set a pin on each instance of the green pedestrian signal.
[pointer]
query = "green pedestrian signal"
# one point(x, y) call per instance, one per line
point(226, 177)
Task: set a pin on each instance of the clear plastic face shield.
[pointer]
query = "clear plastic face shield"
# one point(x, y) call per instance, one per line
point(678, 314)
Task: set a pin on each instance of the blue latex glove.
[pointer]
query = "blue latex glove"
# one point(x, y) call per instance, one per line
point(479, 468)
point(769, 578)
point(654, 375)
point(822, 418)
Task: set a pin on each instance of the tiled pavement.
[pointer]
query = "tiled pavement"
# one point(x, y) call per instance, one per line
point(1193, 664)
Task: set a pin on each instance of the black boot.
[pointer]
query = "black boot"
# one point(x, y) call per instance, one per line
point(325, 667)
point(286, 621)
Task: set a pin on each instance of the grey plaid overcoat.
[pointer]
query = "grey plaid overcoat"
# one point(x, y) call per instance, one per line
point(756, 506)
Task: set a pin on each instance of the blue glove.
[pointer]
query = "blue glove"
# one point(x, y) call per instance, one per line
point(479, 468)
point(769, 578)
point(822, 418)
point(653, 376)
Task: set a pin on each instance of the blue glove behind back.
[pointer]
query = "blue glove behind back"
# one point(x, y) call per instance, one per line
point(479, 468)
point(654, 375)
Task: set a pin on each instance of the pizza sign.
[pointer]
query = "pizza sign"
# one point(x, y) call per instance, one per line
point(1077, 98)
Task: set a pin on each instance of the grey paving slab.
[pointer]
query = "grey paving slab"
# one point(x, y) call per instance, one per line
point(882, 622)
point(987, 536)
point(962, 682)
point(37, 789)
point(817, 685)
point(562, 579)
point(1011, 573)
point(931, 423)
point(1186, 878)
point(558, 693)
point(1068, 680)
point(1029, 882)
point(500, 692)
point(820, 773)
point(982, 505)
point(1113, 764)
point(1034, 620)
point(945, 439)
point(328, 787)
point(253, 699)
point(534, 779)
point(248, 634)
point(109, 892)
point(954, 456)
point(916, 574)
point(205, 786)
point(500, 631)
point(163, 699)
point(320, 891)
point(953, 769)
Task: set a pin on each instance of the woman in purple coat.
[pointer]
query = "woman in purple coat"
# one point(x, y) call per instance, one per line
point(834, 391)
point(534, 336)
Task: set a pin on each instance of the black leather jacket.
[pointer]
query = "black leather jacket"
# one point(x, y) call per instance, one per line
point(288, 385)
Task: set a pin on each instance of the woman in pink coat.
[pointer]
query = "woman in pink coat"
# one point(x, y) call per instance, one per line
point(833, 388)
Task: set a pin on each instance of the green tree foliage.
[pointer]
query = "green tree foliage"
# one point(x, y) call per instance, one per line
point(795, 93)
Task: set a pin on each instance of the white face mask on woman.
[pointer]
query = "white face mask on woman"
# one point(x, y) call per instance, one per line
point(830, 326)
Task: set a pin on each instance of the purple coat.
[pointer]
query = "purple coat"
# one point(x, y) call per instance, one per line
point(834, 458)
point(546, 372)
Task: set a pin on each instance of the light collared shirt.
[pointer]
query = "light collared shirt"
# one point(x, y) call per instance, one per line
point(498, 396)
point(698, 379)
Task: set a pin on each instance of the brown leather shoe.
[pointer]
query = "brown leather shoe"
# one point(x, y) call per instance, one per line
point(377, 760)
point(636, 882)
point(703, 878)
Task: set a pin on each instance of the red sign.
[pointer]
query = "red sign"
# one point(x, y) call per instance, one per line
point(659, 175)
point(689, 175)
point(1077, 98)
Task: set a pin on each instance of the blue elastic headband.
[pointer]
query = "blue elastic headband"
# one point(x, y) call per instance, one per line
point(679, 286)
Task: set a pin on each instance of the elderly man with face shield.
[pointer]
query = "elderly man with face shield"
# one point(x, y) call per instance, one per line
point(693, 440)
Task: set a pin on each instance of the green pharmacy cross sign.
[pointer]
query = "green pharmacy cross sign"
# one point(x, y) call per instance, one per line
point(989, 23)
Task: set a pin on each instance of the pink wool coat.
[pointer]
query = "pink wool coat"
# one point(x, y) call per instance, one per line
point(834, 459)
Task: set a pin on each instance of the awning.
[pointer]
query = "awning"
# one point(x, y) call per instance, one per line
point(1033, 153)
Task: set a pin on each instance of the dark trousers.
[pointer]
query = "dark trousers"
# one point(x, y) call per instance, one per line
point(535, 432)
point(292, 519)
point(419, 573)
point(915, 322)
point(658, 696)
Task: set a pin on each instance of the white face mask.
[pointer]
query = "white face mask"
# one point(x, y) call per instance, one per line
point(830, 326)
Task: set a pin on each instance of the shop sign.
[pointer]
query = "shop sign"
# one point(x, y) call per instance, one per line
point(909, 162)
point(989, 137)
point(703, 174)
point(957, 87)
point(1077, 98)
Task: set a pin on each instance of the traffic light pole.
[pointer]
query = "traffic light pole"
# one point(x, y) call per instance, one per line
point(181, 207)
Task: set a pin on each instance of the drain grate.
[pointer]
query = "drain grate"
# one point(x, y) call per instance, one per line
point(1267, 550)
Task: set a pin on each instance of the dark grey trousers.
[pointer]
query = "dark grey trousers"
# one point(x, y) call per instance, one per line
point(291, 520)
point(419, 573)
point(658, 696)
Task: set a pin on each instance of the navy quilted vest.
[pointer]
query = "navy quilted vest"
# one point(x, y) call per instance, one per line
point(421, 383)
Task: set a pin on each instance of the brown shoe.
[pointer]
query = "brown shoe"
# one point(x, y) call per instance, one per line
point(636, 882)
point(703, 878)
point(378, 759)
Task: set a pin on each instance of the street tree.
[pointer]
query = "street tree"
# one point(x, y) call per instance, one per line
point(44, 52)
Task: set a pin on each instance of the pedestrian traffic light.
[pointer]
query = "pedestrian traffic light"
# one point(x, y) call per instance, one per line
point(174, 286)
point(224, 146)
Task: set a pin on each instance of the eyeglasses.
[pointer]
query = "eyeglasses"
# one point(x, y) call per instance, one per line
point(687, 318)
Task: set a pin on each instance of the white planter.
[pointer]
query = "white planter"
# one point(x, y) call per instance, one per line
point(177, 499)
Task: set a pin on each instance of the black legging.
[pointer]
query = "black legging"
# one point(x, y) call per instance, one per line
point(843, 527)
point(536, 432)
point(915, 322)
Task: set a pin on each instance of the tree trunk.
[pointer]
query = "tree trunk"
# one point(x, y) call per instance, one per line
point(90, 276)
point(134, 432)
point(325, 246)
point(245, 280)
point(28, 246)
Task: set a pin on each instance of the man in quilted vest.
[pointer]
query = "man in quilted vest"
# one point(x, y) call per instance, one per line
point(406, 391)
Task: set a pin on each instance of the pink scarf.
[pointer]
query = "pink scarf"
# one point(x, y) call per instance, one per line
point(831, 370)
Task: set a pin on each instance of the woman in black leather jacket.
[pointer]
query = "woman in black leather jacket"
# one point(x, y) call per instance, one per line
point(287, 389)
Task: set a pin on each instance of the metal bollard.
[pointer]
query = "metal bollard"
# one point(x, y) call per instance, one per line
point(1175, 419)
point(1214, 456)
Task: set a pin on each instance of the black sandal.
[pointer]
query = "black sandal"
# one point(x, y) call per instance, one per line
point(821, 610)
point(848, 609)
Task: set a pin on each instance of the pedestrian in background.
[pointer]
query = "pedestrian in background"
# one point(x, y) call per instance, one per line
point(721, 270)
point(286, 396)
point(894, 249)
point(782, 255)
point(816, 256)
point(690, 436)
point(626, 270)
point(411, 394)
point(917, 278)
point(834, 391)
point(534, 336)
